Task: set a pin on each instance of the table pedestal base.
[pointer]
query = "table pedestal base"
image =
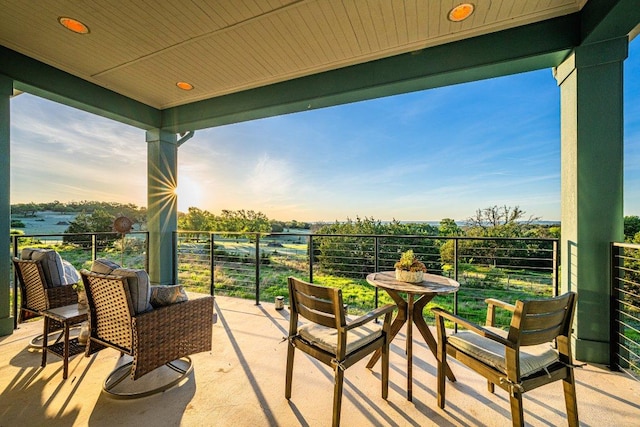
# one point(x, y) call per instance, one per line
point(410, 312)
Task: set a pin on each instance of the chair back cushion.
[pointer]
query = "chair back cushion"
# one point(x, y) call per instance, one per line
point(532, 358)
point(104, 266)
point(327, 338)
point(139, 288)
point(51, 263)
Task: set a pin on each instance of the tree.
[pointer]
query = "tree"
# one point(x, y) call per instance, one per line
point(354, 256)
point(448, 227)
point(99, 221)
point(631, 227)
point(499, 221)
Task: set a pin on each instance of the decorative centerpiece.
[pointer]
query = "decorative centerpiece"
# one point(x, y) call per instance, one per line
point(409, 268)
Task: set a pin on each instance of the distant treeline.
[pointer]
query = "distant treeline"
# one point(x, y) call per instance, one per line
point(138, 214)
point(493, 221)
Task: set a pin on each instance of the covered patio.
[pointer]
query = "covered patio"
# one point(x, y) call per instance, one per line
point(172, 68)
point(241, 383)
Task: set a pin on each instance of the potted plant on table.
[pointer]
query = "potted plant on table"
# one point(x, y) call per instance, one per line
point(409, 268)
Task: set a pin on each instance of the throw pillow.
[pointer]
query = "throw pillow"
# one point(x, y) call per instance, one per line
point(139, 288)
point(167, 295)
point(71, 275)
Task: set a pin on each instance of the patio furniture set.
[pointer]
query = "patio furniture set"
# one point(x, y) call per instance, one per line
point(158, 327)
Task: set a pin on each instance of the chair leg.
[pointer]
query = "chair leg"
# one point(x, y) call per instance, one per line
point(517, 414)
point(569, 386)
point(442, 363)
point(289, 377)
point(337, 395)
point(491, 387)
point(385, 370)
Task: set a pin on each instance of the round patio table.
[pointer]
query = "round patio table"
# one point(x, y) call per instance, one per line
point(410, 312)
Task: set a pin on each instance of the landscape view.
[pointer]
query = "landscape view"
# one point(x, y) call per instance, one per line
point(500, 251)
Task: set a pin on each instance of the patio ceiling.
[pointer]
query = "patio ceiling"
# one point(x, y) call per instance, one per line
point(256, 58)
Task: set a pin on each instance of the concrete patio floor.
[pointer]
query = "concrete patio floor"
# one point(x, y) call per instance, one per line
point(241, 383)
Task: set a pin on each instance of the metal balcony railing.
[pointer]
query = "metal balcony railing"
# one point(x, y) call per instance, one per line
point(625, 308)
point(254, 265)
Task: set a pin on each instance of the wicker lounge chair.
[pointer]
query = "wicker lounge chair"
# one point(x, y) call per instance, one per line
point(38, 295)
point(153, 339)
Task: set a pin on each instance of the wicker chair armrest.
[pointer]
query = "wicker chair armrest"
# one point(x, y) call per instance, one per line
point(60, 296)
point(171, 332)
point(441, 315)
point(374, 314)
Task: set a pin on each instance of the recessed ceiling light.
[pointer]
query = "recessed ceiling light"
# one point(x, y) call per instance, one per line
point(184, 85)
point(461, 12)
point(73, 25)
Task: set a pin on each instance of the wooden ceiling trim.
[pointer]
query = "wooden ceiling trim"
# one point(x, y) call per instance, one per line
point(538, 45)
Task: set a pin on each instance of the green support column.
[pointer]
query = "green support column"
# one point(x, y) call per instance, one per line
point(162, 208)
point(591, 100)
point(6, 90)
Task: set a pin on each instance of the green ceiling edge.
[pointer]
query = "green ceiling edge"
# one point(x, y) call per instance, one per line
point(48, 82)
point(608, 19)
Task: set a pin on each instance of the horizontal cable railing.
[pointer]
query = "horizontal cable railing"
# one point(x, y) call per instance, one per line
point(625, 308)
point(255, 265)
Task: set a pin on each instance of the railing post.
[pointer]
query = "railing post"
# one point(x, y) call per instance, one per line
point(257, 268)
point(455, 277)
point(174, 270)
point(15, 284)
point(614, 315)
point(94, 247)
point(376, 266)
point(212, 265)
point(146, 252)
point(310, 251)
point(556, 263)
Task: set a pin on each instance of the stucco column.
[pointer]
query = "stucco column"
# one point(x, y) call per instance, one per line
point(162, 206)
point(591, 101)
point(6, 90)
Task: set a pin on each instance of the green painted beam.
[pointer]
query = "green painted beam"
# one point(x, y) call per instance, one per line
point(608, 19)
point(541, 45)
point(6, 91)
point(48, 82)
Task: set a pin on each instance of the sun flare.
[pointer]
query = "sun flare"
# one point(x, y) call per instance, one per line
point(188, 192)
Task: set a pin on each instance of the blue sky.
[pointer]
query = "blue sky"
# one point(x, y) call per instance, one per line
point(424, 156)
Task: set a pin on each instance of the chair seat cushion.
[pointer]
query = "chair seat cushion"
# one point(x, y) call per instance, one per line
point(327, 338)
point(532, 358)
